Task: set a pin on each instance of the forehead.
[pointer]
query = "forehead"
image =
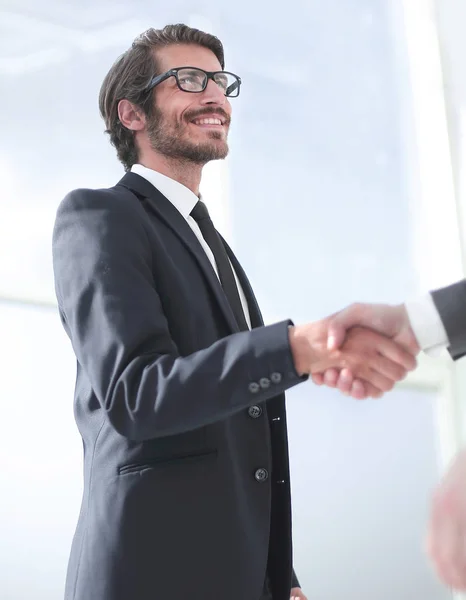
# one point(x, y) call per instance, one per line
point(187, 55)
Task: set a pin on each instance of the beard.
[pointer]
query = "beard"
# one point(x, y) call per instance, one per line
point(172, 140)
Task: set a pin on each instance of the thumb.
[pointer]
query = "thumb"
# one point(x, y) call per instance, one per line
point(336, 336)
point(338, 326)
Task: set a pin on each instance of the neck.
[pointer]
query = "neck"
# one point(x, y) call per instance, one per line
point(185, 172)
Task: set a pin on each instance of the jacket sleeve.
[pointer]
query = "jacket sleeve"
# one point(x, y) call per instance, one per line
point(450, 302)
point(111, 310)
point(294, 580)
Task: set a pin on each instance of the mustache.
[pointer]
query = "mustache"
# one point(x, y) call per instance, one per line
point(190, 116)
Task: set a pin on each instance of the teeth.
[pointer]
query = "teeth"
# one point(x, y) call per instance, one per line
point(208, 122)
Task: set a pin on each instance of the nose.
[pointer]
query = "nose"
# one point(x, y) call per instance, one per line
point(213, 94)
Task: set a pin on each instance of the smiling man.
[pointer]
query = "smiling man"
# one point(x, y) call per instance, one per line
point(180, 387)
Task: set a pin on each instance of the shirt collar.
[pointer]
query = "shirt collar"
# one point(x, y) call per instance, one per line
point(179, 195)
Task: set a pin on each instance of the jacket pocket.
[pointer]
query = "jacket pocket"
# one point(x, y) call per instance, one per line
point(147, 465)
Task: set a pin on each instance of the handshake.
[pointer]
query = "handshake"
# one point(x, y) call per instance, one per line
point(363, 350)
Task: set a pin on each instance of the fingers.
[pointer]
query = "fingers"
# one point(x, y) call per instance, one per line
point(361, 389)
point(331, 377)
point(358, 390)
point(372, 391)
point(377, 380)
point(376, 359)
point(317, 378)
point(378, 371)
point(343, 381)
point(328, 377)
point(390, 372)
point(396, 353)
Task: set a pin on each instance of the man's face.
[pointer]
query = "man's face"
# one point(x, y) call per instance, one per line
point(177, 127)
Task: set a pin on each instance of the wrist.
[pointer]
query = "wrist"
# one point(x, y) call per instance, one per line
point(296, 350)
point(304, 340)
point(419, 324)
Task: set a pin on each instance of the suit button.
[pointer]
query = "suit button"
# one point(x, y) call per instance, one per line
point(276, 377)
point(255, 412)
point(254, 387)
point(264, 383)
point(261, 475)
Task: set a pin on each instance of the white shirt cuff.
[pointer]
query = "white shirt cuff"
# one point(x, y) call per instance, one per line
point(427, 325)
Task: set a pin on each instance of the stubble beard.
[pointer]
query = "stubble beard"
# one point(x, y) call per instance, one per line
point(171, 141)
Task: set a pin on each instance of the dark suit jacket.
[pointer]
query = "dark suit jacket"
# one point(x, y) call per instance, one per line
point(186, 475)
point(451, 305)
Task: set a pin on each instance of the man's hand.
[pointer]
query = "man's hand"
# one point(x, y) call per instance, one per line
point(391, 321)
point(446, 539)
point(297, 594)
point(374, 359)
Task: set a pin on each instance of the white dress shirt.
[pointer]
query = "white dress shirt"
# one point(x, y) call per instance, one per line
point(427, 325)
point(184, 200)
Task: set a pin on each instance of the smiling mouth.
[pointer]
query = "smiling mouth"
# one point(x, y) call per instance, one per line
point(214, 122)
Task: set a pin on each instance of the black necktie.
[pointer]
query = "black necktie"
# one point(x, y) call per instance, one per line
point(225, 271)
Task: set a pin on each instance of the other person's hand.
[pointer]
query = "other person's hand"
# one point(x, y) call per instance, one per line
point(391, 321)
point(446, 538)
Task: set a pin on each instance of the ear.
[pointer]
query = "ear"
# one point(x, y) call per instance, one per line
point(131, 116)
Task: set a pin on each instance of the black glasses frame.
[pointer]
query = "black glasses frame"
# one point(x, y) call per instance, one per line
point(209, 75)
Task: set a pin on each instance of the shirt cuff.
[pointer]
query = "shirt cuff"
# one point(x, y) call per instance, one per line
point(427, 325)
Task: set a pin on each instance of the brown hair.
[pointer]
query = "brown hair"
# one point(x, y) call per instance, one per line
point(130, 75)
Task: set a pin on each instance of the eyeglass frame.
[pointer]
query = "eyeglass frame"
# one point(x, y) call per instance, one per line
point(174, 73)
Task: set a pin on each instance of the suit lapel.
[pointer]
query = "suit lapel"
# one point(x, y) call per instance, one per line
point(178, 224)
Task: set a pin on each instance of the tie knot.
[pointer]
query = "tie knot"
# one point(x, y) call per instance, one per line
point(200, 211)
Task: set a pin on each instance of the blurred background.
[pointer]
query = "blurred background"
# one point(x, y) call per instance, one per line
point(345, 182)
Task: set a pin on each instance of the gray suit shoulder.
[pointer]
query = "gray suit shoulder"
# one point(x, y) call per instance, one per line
point(80, 198)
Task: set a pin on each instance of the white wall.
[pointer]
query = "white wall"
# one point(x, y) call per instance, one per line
point(451, 15)
point(40, 454)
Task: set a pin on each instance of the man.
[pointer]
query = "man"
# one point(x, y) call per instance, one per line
point(429, 323)
point(179, 393)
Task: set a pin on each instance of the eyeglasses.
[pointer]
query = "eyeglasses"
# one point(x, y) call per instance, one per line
point(194, 80)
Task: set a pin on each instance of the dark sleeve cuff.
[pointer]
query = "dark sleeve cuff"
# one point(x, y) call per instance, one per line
point(272, 369)
point(450, 302)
